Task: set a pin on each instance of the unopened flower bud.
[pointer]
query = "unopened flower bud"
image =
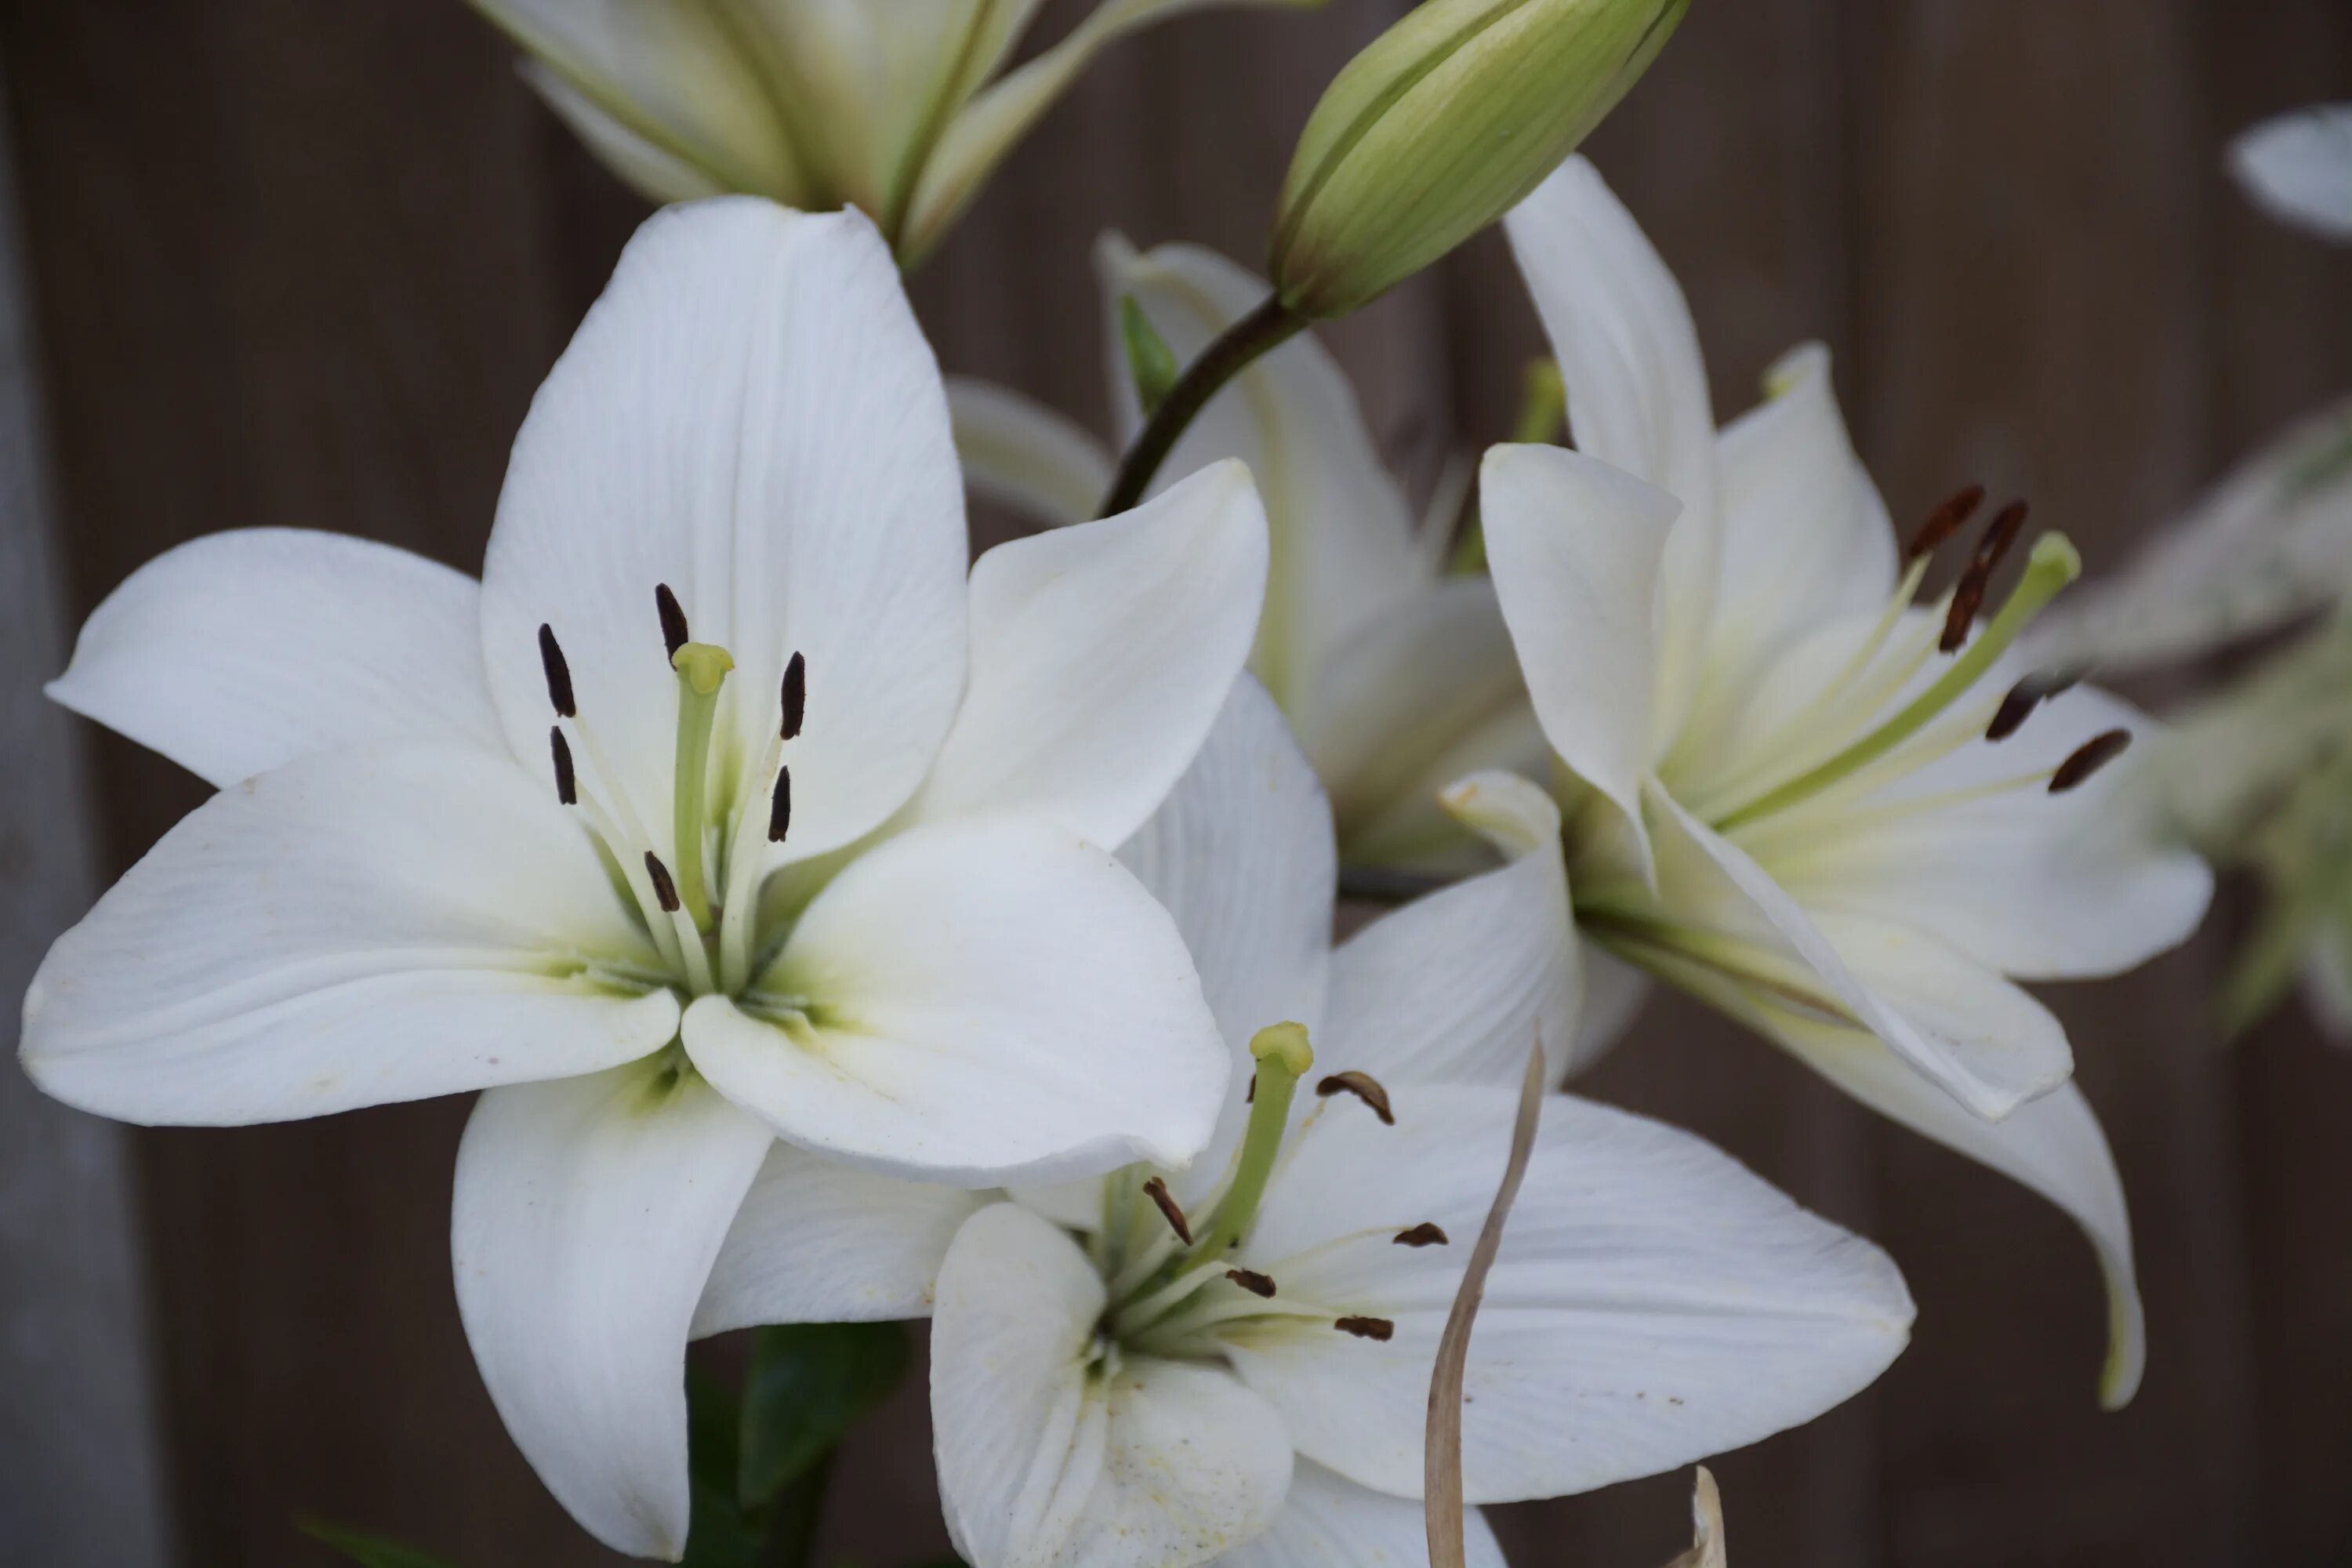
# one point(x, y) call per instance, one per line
point(1442, 125)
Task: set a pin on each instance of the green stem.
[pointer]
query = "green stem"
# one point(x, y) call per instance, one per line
point(1239, 346)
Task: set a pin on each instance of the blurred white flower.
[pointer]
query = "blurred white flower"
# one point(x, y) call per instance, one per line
point(1851, 822)
point(902, 108)
point(2298, 168)
point(1397, 675)
point(834, 873)
point(1233, 1361)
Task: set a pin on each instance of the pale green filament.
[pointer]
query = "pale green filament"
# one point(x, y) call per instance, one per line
point(701, 671)
point(2052, 565)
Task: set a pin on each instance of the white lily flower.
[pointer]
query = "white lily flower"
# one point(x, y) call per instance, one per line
point(1109, 1386)
point(1398, 677)
point(1793, 792)
point(832, 873)
point(2299, 169)
point(902, 108)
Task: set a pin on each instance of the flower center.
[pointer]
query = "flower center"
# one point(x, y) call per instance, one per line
point(699, 903)
point(1171, 1292)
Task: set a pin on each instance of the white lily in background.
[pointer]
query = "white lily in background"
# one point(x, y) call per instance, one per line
point(1232, 1362)
point(1835, 815)
point(902, 108)
point(832, 873)
point(1397, 675)
point(2298, 168)
point(2258, 770)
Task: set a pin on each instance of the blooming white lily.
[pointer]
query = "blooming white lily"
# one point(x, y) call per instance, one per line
point(902, 108)
point(1791, 792)
point(1233, 1361)
point(1397, 675)
point(832, 873)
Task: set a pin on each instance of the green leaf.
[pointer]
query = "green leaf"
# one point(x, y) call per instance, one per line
point(1148, 358)
point(809, 1383)
point(719, 1535)
point(370, 1550)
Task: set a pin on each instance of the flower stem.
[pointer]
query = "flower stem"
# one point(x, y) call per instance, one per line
point(1266, 328)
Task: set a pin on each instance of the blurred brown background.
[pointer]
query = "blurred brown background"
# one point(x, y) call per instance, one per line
point(298, 263)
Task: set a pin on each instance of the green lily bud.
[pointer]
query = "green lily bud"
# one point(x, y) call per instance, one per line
point(1441, 126)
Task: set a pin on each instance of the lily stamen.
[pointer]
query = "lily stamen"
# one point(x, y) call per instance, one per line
point(1156, 1189)
point(1967, 594)
point(1951, 515)
point(674, 634)
point(1428, 1233)
point(1366, 1328)
point(1364, 1087)
point(2088, 759)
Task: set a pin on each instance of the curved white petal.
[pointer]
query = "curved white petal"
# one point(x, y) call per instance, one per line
point(666, 76)
point(1576, 547)
point(1393, 706)
point(1637, 394)
point(1048, 1457)
point(817, 1241)
point(1241, 856)
point(1329, 1522)
point(587, 1214)
point(2299, 169)
point(353, 929)
point(238, 652)
point(1023, 455)
point(1805, 536)
point(1458, 985)
point(1343, 554)
point(1960, 1024)
point(2052, 1145)
point(977, 1002)
point(751, 416)
point(1100, 655)
point(1652, 1302)
point(2037, 886)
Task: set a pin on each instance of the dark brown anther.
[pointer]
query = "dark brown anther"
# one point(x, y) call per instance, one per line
point(1949, 518)
point(780, 807)
point(567, 782)
point(1425, 1234)
point(2015, 709)
point(2089, 757)
point(1249, 1095)
point(673, 619)
point(1251, 1281)
point(665, 890)
point(1156, 1190)
point(1367, 1328)
point(795, 695)
point(1968, 597)
point(559, 674)
point(1364, 1087)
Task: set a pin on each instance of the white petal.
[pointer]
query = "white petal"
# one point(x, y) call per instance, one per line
point(1329, 1522)
point(1653, 1302)
point(2037, 886)
point(2271, 542)
point(1637, 387)
point(668, 77)
point(1242, 856)
point(353, 929)
point(2052, 1145)
point(238, 652)
point(750, 415)
point(1100, 655)
point(2298, 168)
point(1576, 547)
point(817, 1241)
point(1045, 1459)
point(1614, 993)
point(1980, 1040)
point(983, 1001)
point(1343, 554)
point(1458, 985)
point(1398, 699)
point(1805, 536)
point(587, 1215)
point(1023, 455)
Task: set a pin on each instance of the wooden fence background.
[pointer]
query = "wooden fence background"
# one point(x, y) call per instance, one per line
point(303, 264)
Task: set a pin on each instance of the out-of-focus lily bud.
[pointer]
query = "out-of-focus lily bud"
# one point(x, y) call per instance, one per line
point(896, 107)
point(1442, 125)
